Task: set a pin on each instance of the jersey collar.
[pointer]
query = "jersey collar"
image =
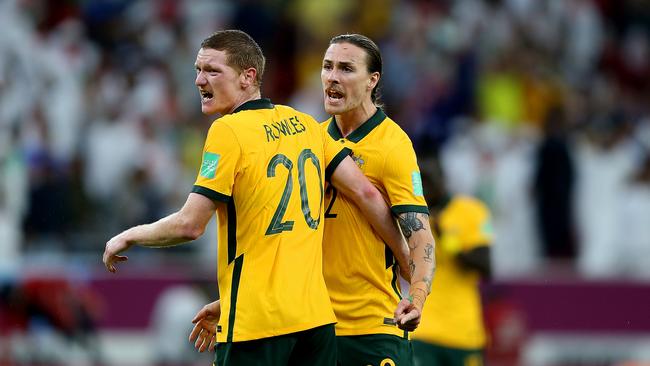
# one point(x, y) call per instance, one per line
point(361, 131)
point(263, 103)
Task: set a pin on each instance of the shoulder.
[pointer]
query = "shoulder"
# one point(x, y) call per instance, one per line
point(392, 137)
point(326, 122)
point(303, 117)
point(393, 146)
point(227, 121)
point(222, 132)
point(325, 126)
point(397, 133)
point(223, 123)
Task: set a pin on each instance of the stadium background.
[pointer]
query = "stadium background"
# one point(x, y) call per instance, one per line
point(526, 102)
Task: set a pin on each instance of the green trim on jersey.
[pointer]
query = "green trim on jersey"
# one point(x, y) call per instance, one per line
point(388, 256)
point(236, 276)
point(400, 209)
point(331, 167)
point(393, 282)
point(263, 103)
point(232, 231)
point(362, 131)
point(213, 195)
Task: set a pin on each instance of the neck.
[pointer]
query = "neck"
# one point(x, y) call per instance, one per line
point(244, 97)
point(352, 119)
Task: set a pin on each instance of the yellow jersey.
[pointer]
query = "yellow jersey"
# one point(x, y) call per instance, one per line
point(452, 315)
point(268, 164)
point(359, 268)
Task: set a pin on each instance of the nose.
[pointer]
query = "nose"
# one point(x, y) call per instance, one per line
point(331, 76)
point(200, 79)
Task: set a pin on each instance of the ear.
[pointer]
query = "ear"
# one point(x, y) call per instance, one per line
point(247, 77)
point(374, 79)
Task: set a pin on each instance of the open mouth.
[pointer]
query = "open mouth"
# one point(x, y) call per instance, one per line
point(206, 95)
point(333, 94)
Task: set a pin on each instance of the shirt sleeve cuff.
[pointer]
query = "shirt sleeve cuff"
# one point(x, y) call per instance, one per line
point(213, 195)
point(400, 209)
point(336, 161)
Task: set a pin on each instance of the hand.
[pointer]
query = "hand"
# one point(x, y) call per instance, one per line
point(114, 247)
point(205, 326)
point(407, 315)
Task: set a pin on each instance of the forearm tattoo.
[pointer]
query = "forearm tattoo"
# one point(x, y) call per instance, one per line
point(410, 223)
point(427, 280)
point(428, 253)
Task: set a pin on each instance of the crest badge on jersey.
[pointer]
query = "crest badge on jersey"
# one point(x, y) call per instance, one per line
point(209, 165)
point(359, 160)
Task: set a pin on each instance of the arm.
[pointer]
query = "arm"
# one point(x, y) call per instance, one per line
point(185, 225)
point(422, 263)
point(350, 181)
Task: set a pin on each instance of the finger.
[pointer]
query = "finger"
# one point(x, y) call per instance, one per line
point(403, 310)
point(195, 332)
point(199, 341)
point(200, 315)
point(409, 316)
point(207, 342)
point(106, 258)
point(202, 345)
point(212, 340)
point(110, 267)
point(409, 326)
point(401, 307)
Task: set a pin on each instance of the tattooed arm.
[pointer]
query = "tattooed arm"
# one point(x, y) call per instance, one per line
point(417, 231)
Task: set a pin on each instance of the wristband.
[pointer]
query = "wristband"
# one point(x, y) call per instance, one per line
point(418, 293)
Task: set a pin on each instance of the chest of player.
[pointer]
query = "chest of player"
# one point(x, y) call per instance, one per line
point(369, 158)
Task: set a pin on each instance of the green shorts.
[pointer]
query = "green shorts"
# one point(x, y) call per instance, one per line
point(434, 355)
point(314, 347)
point(375, 350)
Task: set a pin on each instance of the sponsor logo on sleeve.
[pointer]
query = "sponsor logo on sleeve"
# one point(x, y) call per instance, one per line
point(209, 166)
point(416, 180)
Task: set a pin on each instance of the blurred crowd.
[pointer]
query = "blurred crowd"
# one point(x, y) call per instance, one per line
point(539, 108)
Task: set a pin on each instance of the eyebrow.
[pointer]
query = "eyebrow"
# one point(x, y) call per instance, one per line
point(340, 63)
point(206, 67)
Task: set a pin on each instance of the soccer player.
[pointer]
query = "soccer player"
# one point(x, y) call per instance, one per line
point(359, 268)
point(451, 332)
point(263, 173)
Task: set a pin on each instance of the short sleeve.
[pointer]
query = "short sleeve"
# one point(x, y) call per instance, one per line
point(219, 164)
point(402, 180)
point(334, 152)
